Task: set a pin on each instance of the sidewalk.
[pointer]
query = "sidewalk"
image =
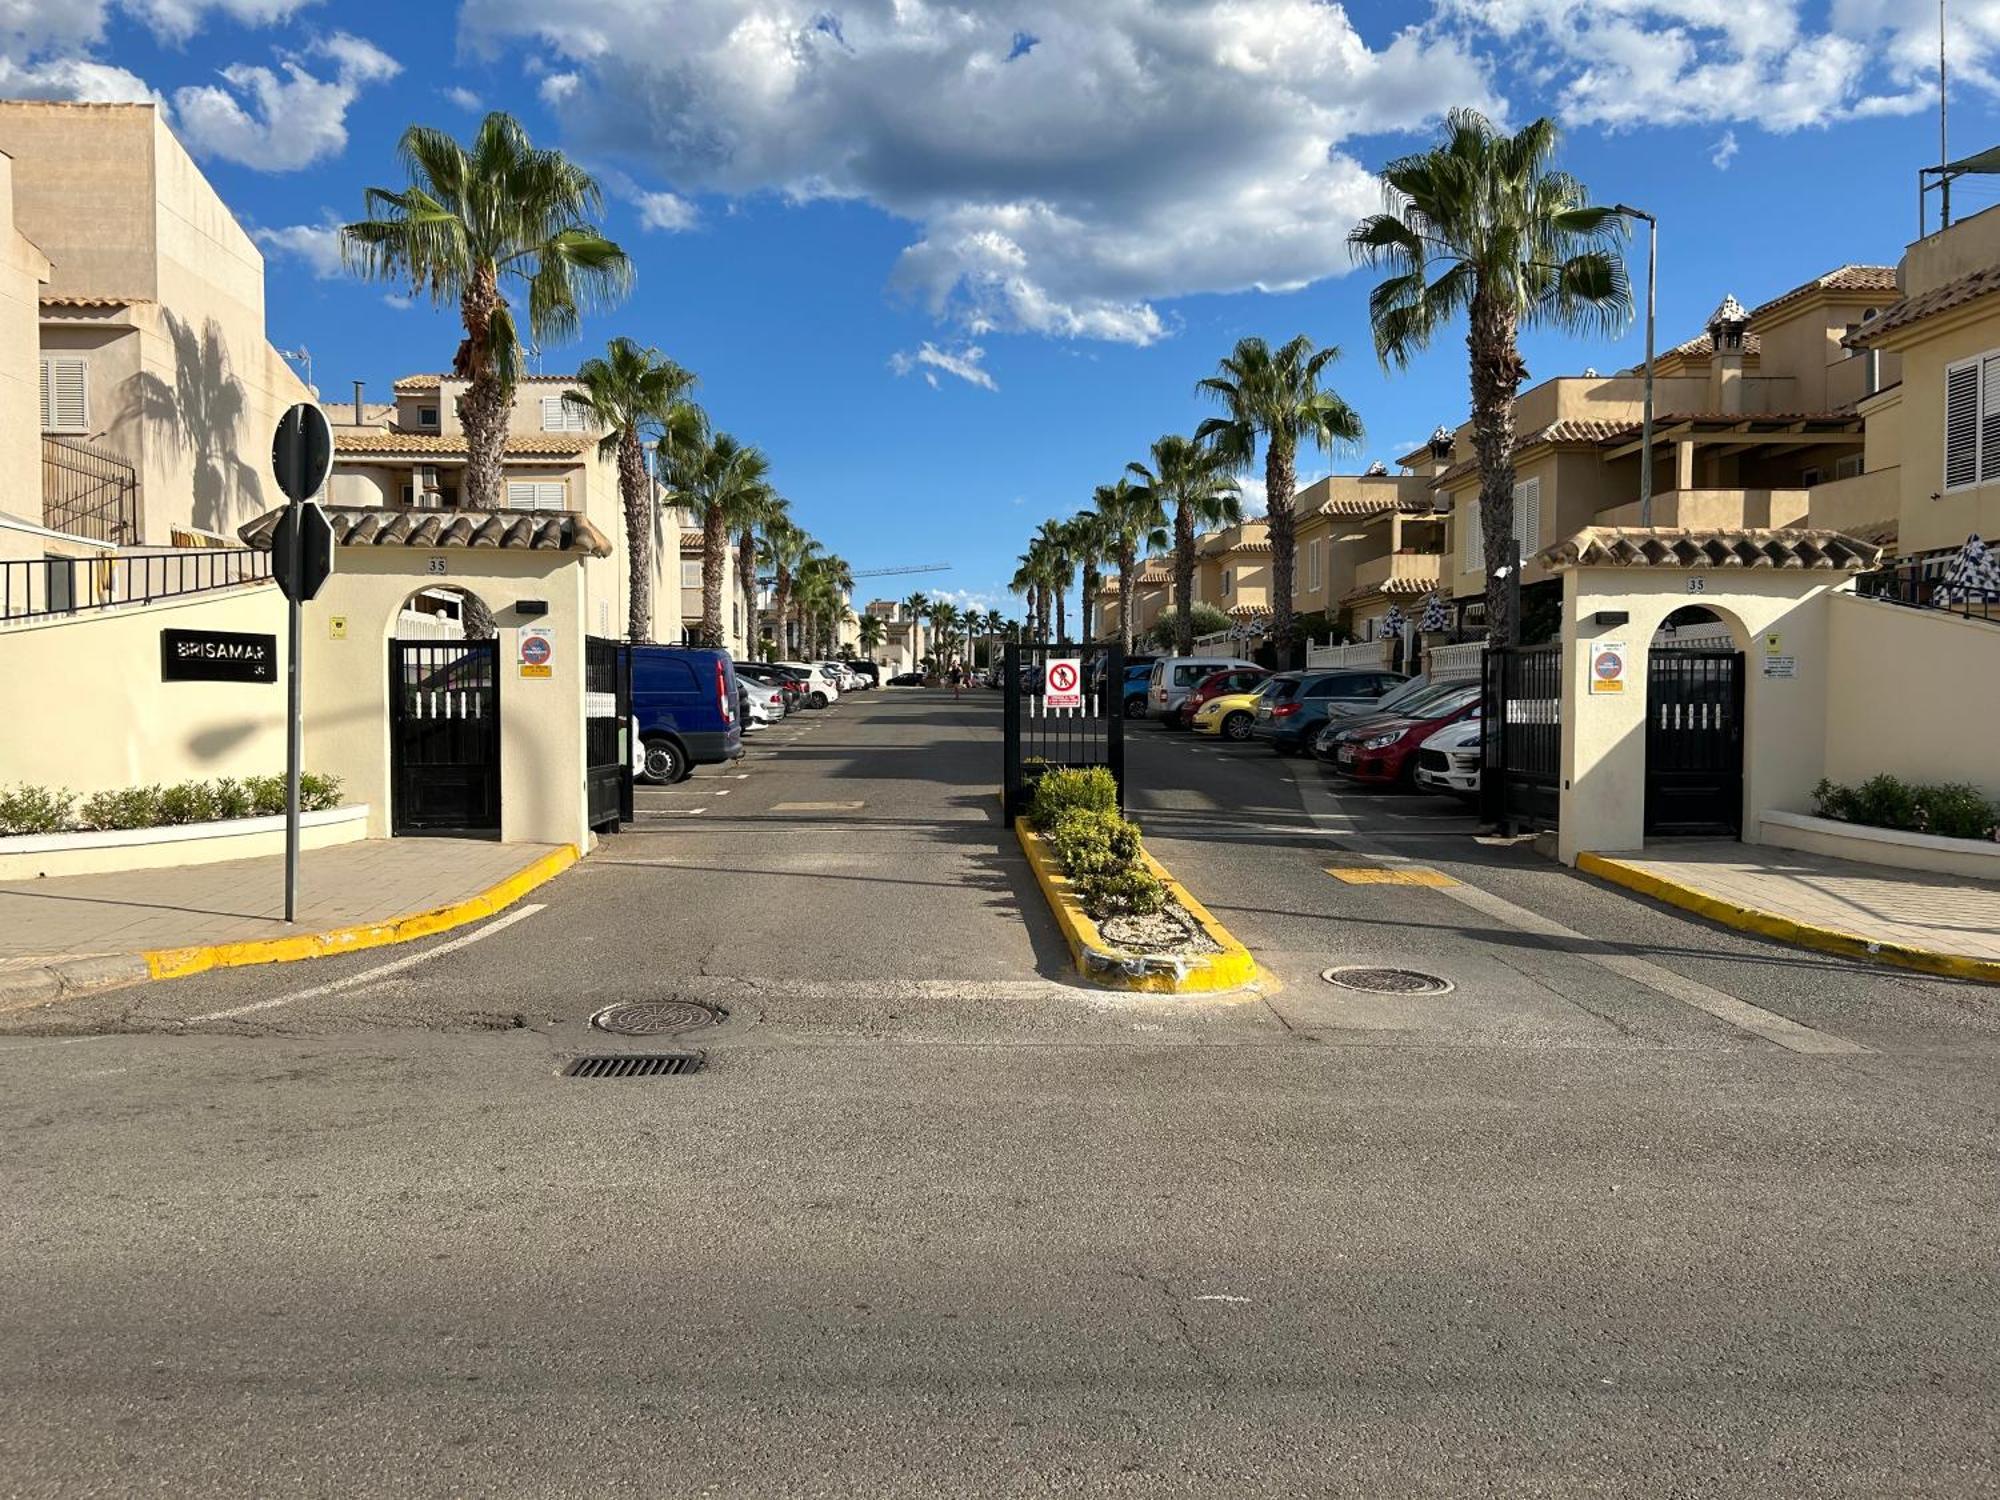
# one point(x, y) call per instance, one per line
point(1942, 924)
point(83, 932)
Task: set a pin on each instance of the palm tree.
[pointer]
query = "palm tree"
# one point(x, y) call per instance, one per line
point(1059, 567)
point(723, 482)
point(870, 632)
point(1133, 520)
point(1027, 582)
point(823, 583)
point(1194, 480)
point(470, 220)
point(770, 508)
point(1090, 545)
point(1276, 395)
point(945, 622)
point(786, 549)
point(634, 395)
point(914, 608)
point(1483, 224)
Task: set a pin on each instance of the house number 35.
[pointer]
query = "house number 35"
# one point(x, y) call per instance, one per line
point(1695, 585)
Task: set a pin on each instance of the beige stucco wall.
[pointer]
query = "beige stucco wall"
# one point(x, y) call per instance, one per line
point(1603, 796)
point(98, 675)
point(541, 720)
point(1929, 523)
point(1913, 695)
point(1969, 245)
point(23, 269)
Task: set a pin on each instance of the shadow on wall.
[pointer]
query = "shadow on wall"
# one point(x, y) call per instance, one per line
point(200, 415)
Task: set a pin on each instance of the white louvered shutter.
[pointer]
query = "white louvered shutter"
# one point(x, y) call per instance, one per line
point(1528, 516)
point(559, 416)
point(1961, 425)
point(534, 494)
point(65, 394)
point(1989, 420)
point(1471, 550)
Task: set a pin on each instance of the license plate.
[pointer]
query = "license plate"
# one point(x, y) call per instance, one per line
point(1346, 755)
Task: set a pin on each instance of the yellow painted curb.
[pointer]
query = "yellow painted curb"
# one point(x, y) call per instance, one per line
point(177, 963)
point(1104, 963)
point(1786, 929)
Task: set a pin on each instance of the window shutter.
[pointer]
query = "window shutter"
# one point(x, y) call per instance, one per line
point(1528, 516)
point(534, 494)
point(552, 414)
point(1961, 425)
point(65, 394)
point(1989, 420)
point(1471, 550)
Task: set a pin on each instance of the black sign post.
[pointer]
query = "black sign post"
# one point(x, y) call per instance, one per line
point(301, 557)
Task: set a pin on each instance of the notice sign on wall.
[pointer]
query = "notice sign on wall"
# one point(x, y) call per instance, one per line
point(1607, 667)
point(1065, 685)
point(217, 656)
point(536, 650)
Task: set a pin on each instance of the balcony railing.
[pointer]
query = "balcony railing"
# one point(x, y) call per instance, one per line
point(1418, 567)
point(88, 491)
point(1922, 582)
point(41, 588)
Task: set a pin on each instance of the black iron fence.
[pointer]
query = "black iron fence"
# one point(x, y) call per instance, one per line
point(1040, 736)
point(1921, 582)
point(88, 491)
point(1520, 781)
point(607, 730)
point(32, 588)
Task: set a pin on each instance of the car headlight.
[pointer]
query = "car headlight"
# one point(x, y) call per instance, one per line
point(1381, 741)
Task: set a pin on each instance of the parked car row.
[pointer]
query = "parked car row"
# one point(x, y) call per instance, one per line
point(1366, 724)
point(692, 706)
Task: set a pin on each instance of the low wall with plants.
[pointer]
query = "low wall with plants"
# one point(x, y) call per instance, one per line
point(26, 810)
point(1952, 810)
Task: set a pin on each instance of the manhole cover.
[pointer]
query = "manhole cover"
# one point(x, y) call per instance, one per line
point(657, 1017)
point(1376, 981)
point(635, 1064)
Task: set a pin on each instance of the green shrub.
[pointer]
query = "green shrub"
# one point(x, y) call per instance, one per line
point(232, 798)
point(267, 795)
point(34, 809)
point(129, 807)
point(1057, 792)
point(1950, 810)
point(189, 802)
point(317, 793)
point(1134, 892)
point(1087, 842)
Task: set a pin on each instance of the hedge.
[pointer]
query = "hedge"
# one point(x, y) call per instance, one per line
point(35, 809)
point(1953, 810)
point(1077, 812)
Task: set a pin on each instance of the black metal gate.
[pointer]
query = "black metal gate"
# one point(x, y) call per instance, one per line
point(607, 731)
point(1694, 742)
point(1038, 736)
point(444, 737)
point(1520, 778)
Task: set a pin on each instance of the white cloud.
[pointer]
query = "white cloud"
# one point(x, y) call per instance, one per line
point(283, 120)
point(966, 362)
point(177, 20)
point(316, 245)
point(1139, 150)
point(1724, 152)
point(464, 98)
point(398, 301)
point(71, 78)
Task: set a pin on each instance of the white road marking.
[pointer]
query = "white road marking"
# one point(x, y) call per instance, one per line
point(380, 971)
point(1219, 1297)
point(724, 791)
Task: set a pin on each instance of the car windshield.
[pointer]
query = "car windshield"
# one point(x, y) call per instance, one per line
point(1409, 692)
point(1446, 703)
point(1279, 689)
point(1420, 705)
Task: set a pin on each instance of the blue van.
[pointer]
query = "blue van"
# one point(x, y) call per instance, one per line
point(684, 710)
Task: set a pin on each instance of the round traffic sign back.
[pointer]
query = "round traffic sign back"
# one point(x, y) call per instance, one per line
point(535, 651)
point(1062, 678)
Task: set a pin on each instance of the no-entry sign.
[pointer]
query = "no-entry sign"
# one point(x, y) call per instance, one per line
point(1065, 684)
point(537, 652)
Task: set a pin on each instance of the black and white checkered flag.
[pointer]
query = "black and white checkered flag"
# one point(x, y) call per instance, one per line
point(1434, 622)
point(1975, 574)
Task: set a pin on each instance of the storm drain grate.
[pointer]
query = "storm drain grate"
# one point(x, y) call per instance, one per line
point(634, 1064)
point(658, 1017)
point(1379, 981)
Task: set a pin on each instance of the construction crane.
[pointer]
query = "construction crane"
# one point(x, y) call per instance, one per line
point(893, 572)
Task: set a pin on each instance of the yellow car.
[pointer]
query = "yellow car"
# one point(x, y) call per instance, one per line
point(1229, 716)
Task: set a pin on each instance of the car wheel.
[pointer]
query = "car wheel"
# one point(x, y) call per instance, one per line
point(1236, 727)
point(818, 700)
point(1135, 708)
point(664, 764)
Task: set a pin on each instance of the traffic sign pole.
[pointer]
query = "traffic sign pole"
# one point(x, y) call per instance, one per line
point(302, 459)
point(294, 729)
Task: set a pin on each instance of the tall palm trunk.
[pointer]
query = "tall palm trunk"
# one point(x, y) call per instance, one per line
point(1127, 562)
point(1061, 628)
point(483, 407)
point(1087, 606)
point(1183, 581)
point(1496, 376)
point(746, 583)
point(637, 492)
point(781, 607)
point(1280, 476)
point(714, 558)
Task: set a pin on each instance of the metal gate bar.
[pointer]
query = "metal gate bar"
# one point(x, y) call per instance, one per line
point(1036, 737)
point(1520, 783)
point(1694, 743)
point(444, 737)
point(607, 700)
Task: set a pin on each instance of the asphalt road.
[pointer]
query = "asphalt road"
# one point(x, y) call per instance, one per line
point(1640, 1208)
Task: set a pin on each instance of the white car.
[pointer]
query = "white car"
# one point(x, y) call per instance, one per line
point(1449, 760)
point(822, 688)
point(766, 703)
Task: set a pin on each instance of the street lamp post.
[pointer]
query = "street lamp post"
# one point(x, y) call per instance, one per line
point(1652, 304)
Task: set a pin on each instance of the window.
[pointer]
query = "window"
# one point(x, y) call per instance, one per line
point(1812, 475)
point(559, 416)
point(1528, 515)
point(1848, 467)
point(536, 494)
point(1972, 422)
point(65, 393)
point(1312, 566)
point(1225, 583)
point(427, 416)
point(690, 572)
point(1471, 551)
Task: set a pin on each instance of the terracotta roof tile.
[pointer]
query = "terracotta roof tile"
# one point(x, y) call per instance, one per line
point(60, 299)
point(518, 530)
point(1879, 279)
point(359, 440)
point(1669, 547)
point(1955, 293)
point(1570, 431)
point(431, 382)
point(1702, 345)
point(690, 541)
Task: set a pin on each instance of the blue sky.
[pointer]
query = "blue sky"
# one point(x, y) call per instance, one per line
point(952, 263)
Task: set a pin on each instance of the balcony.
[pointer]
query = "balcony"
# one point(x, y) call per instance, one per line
point(89, 492)
point(1716, 510)
point(1415, 570)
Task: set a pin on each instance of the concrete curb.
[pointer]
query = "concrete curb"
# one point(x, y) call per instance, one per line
point(1106, 964)
point(22, 989)
point(1786, 929)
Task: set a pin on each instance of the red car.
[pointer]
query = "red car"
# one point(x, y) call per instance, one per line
point(1216, 685)
point(1383, 752)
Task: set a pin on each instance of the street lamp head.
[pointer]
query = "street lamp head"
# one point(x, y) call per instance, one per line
point(1633, 213)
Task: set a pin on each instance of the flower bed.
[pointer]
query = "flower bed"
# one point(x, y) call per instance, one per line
point(1951, 810)
point(34, 810)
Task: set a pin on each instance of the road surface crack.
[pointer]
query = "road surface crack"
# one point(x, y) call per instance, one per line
point(1176, 1306)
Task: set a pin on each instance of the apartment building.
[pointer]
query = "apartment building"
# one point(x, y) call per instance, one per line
point(140, 391)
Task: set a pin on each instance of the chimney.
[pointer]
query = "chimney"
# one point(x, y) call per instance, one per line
point(1727, 327)
point(360, 405)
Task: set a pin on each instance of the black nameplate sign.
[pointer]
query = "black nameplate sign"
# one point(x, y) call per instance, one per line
point(217, 656)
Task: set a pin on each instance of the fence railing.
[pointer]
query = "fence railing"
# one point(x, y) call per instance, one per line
point(39, 588)
point(1360, 654)
point(1922, 582)
point(88, 491)
point(1463, 662)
